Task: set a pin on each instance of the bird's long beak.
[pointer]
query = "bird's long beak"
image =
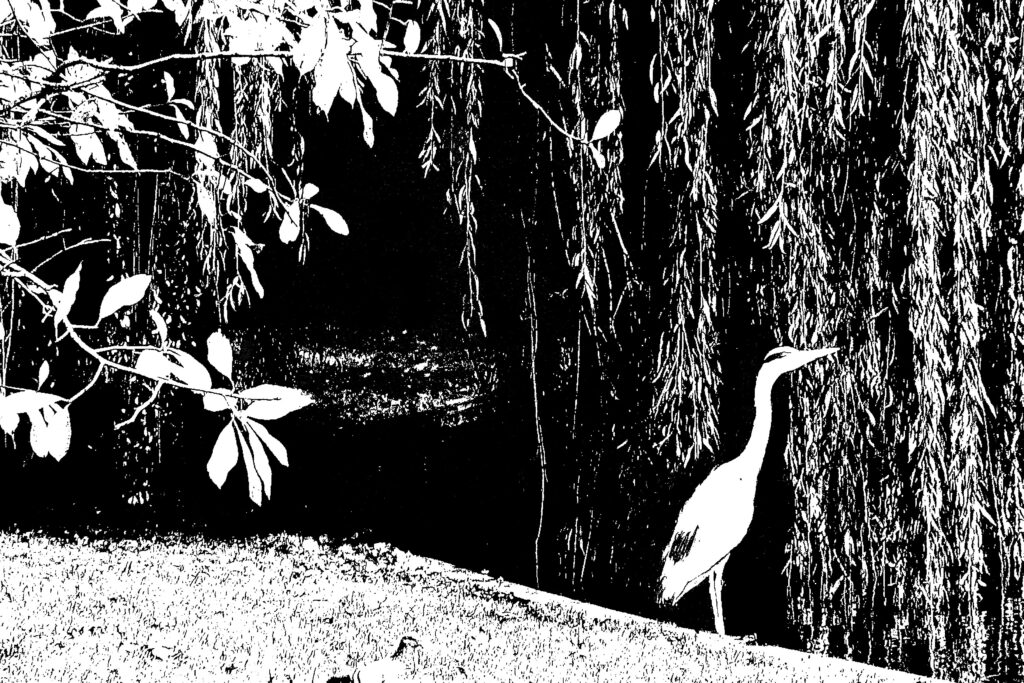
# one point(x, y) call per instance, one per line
point(811, 355)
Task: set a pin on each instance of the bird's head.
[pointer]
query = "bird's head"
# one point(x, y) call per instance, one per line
point(785, 359)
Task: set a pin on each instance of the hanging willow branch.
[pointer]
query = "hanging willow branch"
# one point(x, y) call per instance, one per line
point(594, 81)
point(1006, 73)
point(453, 99)
point(212, 242)
point(799, 122)
point(465, 182)
point(256, 87)
point(949, 204)
point(595, 250)
point(687, 370)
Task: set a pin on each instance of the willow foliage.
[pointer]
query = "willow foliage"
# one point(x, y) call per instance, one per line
point(1006, 74)
point(883, 154)
point(687, 371)
point(876, 171)
point(212, 237)
point(949, 206)
point(783, 118)
point(453, 99)
point(599, 266)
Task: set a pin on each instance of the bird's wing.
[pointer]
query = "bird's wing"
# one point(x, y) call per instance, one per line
point(711, 524)
point(679, 546)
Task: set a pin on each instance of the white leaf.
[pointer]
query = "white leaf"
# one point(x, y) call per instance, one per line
point(598, 156)
point(243, 245)
point(190, 371)
point(156, 365)
point(387, 93)
point(180, 9)
point(289, 230)
point(270, 401)
point(497, 33)
point(328, 74)
point(412, 38)
point(219, 354)
point(309, 190)
point(367, 18)
point(160, 324)
point(139, 6)
point(334, 220)
point(260, 459)
point(251, 476)
point(9, 421)
point(123, 294)
point(181, 122)
point(125, 152)
point(272, 444)
point(368, 137)
point(169, 85)
point(51, 431)
point(256, 185)
point(37, 434)
point(68, 295)
point(347, 90)
point(58, 431)
point(215, 403)
point(383, 84)
point(311, 44)
point(44, 372)
point(224, 456)
point(27, 401)
point(10, 226)
point(606, 125)
point(771, 210)
point(36, 19)
point(87, 144)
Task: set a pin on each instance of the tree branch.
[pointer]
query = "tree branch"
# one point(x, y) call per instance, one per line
point(8, 263)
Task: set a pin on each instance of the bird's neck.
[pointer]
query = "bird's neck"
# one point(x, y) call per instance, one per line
point(753, 454)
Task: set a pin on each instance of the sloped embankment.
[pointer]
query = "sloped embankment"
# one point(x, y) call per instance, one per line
point(283, 608)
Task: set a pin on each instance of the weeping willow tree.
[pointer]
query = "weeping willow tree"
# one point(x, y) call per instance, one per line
point(871, 153)
point(693, 183)
point(847, 174)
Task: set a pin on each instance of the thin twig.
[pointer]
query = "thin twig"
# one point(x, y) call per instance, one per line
point(176, 57)
point(89, 385)
point(43, 238)
point(20, 272)
point(154, 393)
point(543, 112)
point(508, 61)
point(83, 243)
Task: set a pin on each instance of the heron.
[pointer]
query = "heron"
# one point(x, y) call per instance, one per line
point(718, 514)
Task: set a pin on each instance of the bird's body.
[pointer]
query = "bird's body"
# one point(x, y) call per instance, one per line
point(718, 514)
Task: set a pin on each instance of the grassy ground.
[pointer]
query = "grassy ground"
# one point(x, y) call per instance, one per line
point(284, 608)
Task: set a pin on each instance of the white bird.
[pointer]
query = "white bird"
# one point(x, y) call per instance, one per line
point(392, 670)
point(718, 514)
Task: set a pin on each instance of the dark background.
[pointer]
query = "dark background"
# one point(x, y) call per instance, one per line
point(465, 494)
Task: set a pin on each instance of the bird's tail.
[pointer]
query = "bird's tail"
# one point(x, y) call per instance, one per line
point(665, 594)
point(674, 583)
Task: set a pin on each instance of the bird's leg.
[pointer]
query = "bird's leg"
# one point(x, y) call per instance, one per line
point(715, 583)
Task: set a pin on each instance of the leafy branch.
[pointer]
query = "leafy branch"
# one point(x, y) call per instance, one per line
point(164, 366)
